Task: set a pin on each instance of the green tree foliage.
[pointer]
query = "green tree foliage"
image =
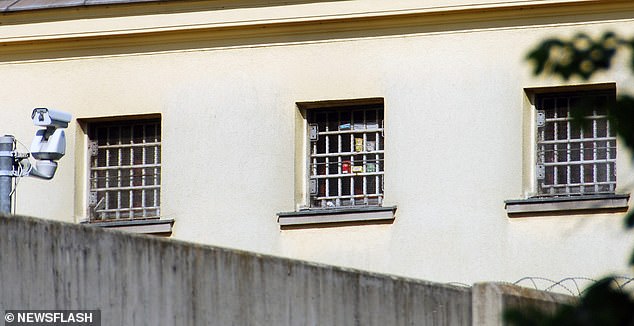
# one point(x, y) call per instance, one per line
point(601, 305)
point(582, 57)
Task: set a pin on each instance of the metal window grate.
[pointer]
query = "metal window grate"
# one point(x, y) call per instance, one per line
point(346, 157)
point(572, 160)
point(125, 170)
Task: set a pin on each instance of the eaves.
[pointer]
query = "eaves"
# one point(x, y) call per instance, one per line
point(210, 28)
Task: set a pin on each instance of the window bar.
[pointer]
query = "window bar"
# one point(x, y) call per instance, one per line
point(380, 198)
point(540, 151)
point(594, 152)
point(339, 162)
point(365, 156)
point(351, 157)
point(380, 136)
point(327, 171)
point(337, 158)
point(608, 156)
point(94, 181)
point(556, 153)
point(93, 184)
point(376, 158)
point(143, 173)
point(120, 163)
point(126, 188)
point(561, 164)
point(157, 202)
point(613, 183)
point(131, 181)
point(582, 158)
point(568, 148)
point(107, 163)
point(314, 169)
point(157, 148)
point(352, 137)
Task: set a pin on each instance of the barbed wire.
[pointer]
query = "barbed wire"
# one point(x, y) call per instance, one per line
point(460, 284)
point(572, 285)
point(575, 286)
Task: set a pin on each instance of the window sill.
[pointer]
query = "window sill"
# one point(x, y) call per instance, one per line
point(587, 204)
point(149, 226)
point(337, 216)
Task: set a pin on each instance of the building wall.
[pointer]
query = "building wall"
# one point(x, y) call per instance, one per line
point(226, 83)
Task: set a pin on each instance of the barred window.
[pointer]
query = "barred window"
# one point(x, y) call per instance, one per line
point(572, 160)
point(125, 169)
point(346, 156)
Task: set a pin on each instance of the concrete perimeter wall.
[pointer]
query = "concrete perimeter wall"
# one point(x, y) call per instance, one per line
point(141, 280)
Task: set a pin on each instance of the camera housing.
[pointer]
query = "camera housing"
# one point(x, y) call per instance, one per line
point(49, 144)
point(50, 118)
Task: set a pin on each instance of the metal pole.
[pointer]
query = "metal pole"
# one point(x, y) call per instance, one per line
point(6, 172)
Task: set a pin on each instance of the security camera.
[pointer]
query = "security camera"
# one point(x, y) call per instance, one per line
point(50, 118)
point(48, 145)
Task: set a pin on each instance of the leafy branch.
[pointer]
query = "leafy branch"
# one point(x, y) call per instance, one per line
point(582, 57)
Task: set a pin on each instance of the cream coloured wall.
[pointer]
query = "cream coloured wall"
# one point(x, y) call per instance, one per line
point(191, 14)
point(455, 136)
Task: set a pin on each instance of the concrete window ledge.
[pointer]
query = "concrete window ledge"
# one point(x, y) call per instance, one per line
point(587, 204)
point(337, 216)
point(149, 226)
